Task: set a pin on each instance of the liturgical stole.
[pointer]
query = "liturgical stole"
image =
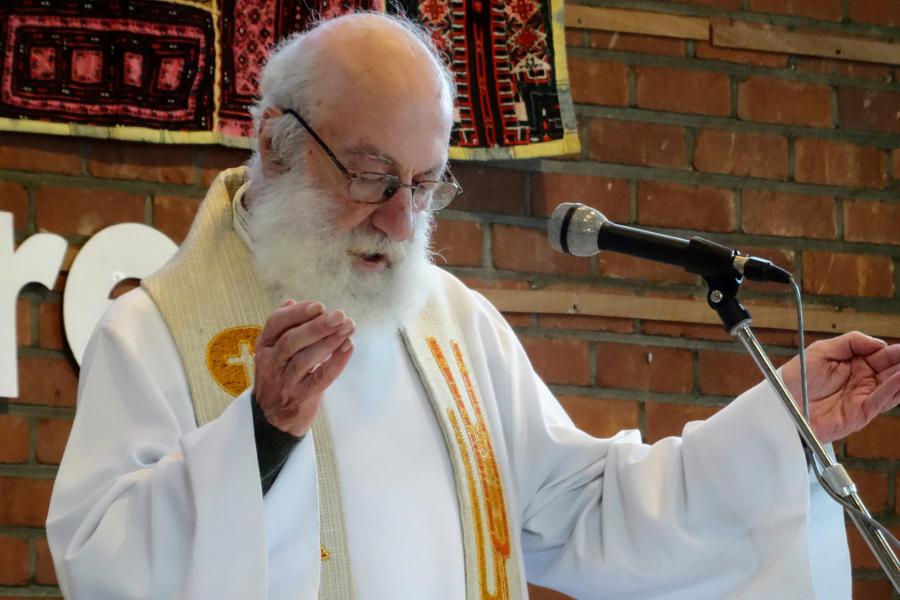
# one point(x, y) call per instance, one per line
point(215, 306)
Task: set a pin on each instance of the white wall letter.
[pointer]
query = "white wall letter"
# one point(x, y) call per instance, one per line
point(116, 253)
point(37, 260)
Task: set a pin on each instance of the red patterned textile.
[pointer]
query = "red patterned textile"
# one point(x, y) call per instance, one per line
point(149, 70)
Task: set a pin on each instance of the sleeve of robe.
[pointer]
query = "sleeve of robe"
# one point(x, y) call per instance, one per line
point(142, 506)
point(725, 511)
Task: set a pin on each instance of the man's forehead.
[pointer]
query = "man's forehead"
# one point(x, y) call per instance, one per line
point(373, 152)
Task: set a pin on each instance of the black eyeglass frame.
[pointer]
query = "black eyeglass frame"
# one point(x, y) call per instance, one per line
point(393, 182)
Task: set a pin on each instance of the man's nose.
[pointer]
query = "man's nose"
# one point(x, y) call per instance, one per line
point(395, 216)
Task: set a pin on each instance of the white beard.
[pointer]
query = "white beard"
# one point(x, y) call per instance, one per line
point(298, 254)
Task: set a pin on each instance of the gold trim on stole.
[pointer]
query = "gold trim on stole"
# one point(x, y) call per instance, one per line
point(489, 494)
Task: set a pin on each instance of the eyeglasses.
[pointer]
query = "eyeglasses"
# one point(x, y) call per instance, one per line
point(371, 187)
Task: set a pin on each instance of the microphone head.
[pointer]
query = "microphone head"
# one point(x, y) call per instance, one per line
point(573, 229)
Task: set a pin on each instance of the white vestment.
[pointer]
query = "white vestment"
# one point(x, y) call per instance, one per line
point(146, 505)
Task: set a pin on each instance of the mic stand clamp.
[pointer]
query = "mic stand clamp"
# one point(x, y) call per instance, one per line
point(722, 298)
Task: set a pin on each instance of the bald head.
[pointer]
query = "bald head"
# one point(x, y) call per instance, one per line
point(363, 61)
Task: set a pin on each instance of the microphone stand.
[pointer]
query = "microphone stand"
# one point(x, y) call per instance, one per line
point(722, 297)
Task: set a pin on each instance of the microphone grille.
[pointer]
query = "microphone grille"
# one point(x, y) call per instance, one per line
point(555, 233)
point(573, 229)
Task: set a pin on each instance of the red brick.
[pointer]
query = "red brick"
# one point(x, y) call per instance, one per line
point(44, 573)
point(23, 322)
point(52, 435)
point(861, 557)
point(173, 215)
point(643, 44)
point(788, 215)
point(637, 367)
point(689, 331)
point(872, 589)
point(737, 153)
point(527, 250)
point(729, 373)
point(520, 319)
point(631, 142)
point(14, 561)
point(215, 159)
point(787, 102)
point(872, 487)
point(490, 189)
point(494, 283)
point(165, 163)
point(622, 266)
point(13, 439)
point(574, 37)
point(457, 243)
point(832, 273)
point(842, 68)
point(839, 163)
point(878, 439)
point(609, 196)
point(536, 592)
point(726, 4)
point(683, 90)
point(586, 323)
point(666, 420)
point(873, 222)
point(707, 51)
point(50, 329)
point(817, 9)
point(873, 110)
point(14, 199)
point(49, 381)
point(878, 12)
point(558, 360)
point(23, 501)
point(46, 154)
point(598, 82)
point(685, 206)
point(70, 211)
point(601, 417)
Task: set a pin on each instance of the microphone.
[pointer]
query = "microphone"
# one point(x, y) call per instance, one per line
point(583, 231)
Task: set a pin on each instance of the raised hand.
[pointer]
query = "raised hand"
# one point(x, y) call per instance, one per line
point(852, 379)
point(300, 352)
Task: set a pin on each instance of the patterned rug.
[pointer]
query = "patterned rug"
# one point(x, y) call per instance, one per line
point(186, 71)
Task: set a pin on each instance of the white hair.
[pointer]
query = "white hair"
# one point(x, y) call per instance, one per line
point(299, 256)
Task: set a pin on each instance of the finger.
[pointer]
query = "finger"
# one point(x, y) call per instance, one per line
point(885, 397)
point(307, 359)
point(885, 358)
point(886, 374)
point(848, 345)
point(285, 317)
point(330, 368)
point(302, 336)
point(864, 345)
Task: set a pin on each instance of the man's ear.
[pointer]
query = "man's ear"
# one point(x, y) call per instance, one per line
point(272, 164)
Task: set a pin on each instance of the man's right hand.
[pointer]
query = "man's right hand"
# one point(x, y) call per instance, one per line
point(302, 349)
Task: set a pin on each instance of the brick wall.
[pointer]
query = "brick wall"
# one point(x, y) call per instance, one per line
point(790, 157)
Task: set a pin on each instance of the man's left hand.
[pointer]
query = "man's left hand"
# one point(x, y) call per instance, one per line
point(852, 379)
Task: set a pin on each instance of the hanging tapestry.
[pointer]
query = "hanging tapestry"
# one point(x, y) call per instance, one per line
point(185, 71)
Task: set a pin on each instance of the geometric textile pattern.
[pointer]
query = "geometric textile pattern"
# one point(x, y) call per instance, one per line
point(140, 63)
point(187, 72)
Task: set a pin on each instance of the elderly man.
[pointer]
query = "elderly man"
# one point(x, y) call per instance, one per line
point(202, 465)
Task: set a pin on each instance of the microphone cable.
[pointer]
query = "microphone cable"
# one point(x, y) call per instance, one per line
point(810, 458)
